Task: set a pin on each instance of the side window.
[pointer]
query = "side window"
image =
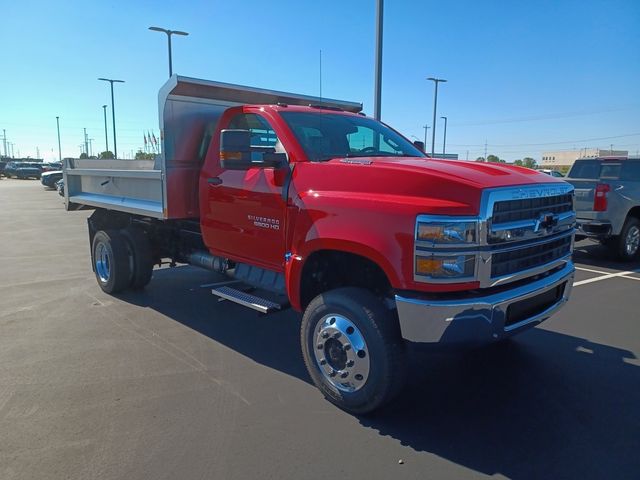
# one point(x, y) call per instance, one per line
point(262, 135)
point(630, 171)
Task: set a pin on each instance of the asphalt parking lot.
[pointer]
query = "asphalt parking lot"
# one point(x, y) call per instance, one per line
point(170, 383)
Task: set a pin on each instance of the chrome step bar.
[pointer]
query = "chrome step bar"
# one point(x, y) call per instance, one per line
point(259, 304)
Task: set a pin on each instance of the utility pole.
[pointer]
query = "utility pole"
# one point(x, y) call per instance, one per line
point(91, 147)
point(86, 142)
point(435, 107)
point(377, 98)
point(4, 141)
point(485, 150)
point(59, 147)
point(425, 137)
point(37, 152)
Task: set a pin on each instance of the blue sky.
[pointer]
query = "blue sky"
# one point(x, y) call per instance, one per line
point(523, 76)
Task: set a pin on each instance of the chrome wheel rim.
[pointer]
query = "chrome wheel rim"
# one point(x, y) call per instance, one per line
point(633, 240)
point(103, 263)
point(341, 353)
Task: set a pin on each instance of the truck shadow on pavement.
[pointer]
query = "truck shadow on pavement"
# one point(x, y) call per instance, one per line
point(543, 405)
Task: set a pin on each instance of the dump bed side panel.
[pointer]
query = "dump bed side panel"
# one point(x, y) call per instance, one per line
point(133, 186)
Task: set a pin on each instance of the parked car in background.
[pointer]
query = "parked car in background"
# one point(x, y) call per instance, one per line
point(607, 202)
point(3, 164)
point(49, 179)
point(22, 170)
point(60, 187)
point(553, 173)
point(51, 167)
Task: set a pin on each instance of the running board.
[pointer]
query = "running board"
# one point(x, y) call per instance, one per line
point(259, 304)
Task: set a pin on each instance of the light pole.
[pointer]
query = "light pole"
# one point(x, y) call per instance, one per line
point(169, 33)
point(444, 141)
point(435, 107)
point(4, 141)
point(113, 114)
point(106, 138)
point(425, 136)
point(377, 99)
point(59, 147)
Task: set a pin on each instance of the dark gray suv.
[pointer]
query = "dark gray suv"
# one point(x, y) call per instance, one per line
point(607, 202)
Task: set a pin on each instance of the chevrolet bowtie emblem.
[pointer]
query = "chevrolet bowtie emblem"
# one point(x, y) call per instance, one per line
point(546, 221)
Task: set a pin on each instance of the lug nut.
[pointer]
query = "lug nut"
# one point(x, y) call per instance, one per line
point(320, 346)
point(350, 363)
point(337, 335)
point(347, 347)
point(344, 374)
point(323, 362)
point(325, 334)
point(332, 373)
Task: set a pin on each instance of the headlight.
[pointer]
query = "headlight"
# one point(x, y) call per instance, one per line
point(454, 266)
point(447, 232)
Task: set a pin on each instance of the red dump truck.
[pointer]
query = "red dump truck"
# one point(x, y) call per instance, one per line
point(307, 203)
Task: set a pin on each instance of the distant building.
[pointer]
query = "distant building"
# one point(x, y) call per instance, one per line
point(565, 158)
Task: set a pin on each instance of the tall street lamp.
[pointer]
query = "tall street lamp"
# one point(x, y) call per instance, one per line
point(444, 141)
point(59, 147)
point(106, 138)
point(169, 33)
point(426, 127)
point(435, 107)
point(113, 114)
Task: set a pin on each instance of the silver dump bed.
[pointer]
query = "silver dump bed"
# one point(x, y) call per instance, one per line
point(167, 187)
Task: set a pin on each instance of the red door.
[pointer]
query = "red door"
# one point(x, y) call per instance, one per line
point(245, 218)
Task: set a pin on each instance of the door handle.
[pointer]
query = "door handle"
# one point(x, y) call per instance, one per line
point(214, 181)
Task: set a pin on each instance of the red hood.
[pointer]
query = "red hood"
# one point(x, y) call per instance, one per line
point(475, 174)
point(422, 185)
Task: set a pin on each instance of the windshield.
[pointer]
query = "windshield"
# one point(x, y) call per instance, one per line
point(324, 136)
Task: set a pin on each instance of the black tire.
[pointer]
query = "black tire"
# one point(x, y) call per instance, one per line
point(141, 261)
point(386, 350)
point(110, 257)
point(627, 247)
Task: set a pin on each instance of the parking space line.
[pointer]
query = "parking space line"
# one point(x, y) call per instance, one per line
point(603, 277)
point(592, 271)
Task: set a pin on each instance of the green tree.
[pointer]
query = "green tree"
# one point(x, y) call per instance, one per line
point(480, 159)
point(140, 155)
point(495, 159)
point(84, 155)
point(528, 162)
point(106, 154)
point(518, 163)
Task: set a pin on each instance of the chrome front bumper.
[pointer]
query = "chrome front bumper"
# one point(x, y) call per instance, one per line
point(479, 319)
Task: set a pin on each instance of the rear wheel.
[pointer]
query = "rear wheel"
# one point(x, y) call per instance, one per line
point(110, 255)
point(141, 262)
point(628, 244)
point(353, 349)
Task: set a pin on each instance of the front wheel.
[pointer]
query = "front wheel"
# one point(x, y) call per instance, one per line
point(353, 350)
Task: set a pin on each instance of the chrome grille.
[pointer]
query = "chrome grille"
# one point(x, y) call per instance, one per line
point(531, 208)
point(529, 256)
